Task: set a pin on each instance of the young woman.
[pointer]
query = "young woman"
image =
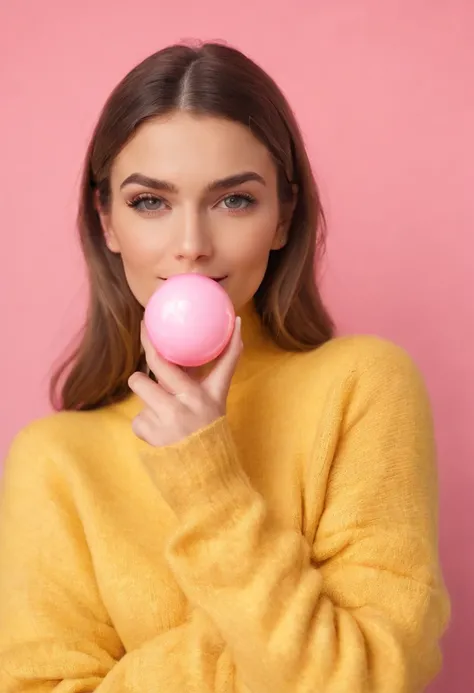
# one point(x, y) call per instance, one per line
point(267, 524)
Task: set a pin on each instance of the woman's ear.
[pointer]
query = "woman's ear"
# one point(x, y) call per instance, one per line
point(284, 224)
point(107, 230)
point(281, 237)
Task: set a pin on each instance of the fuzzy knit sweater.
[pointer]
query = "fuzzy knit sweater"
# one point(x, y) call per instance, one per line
point(289, 547)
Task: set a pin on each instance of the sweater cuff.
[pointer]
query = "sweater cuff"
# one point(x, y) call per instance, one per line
point(201, 472)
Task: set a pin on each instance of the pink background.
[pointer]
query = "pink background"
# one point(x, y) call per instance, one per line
point(384, 91)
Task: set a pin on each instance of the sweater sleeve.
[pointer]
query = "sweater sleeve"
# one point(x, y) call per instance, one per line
point(55, 634)
point(361, 607)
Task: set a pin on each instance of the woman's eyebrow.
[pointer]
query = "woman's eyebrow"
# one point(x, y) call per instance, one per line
point(220, 184)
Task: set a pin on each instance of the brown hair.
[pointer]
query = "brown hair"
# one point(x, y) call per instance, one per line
point(217, 80)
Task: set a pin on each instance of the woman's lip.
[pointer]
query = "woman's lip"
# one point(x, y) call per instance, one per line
point(216, 279)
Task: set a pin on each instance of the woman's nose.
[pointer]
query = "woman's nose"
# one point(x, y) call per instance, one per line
point(194, 241)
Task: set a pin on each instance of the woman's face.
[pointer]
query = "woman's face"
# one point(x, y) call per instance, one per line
point(194, 194)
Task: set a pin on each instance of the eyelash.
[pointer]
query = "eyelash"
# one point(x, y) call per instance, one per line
point(149, 196)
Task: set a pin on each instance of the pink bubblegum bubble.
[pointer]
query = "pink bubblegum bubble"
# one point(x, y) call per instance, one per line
point(189, 319)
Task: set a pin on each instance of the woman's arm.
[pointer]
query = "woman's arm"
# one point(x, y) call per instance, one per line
point(190, 657)
point(361, 608)
point(55, 634)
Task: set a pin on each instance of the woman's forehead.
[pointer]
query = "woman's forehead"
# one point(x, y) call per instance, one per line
point(185, 147)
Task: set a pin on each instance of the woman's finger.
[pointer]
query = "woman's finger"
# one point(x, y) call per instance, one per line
point(145, 426)
point(152, 394)
point(218, 381)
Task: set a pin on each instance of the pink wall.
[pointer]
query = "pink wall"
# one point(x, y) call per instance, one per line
point(385, 95)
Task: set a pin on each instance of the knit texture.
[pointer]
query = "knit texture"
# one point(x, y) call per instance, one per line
point(289, 547)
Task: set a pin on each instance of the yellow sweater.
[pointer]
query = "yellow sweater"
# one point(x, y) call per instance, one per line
point(290, 547)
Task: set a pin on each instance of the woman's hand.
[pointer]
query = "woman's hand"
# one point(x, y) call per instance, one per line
point(177, 405)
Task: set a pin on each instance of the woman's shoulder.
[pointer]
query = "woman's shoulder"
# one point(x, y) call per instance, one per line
point(46, 439)
point(369, 379)
point(361, 351)
point(356, 352)
point(362, 358)
point(60, 425)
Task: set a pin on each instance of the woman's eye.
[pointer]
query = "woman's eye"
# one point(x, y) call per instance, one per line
point(148, 203)
point(151, 203)
point(238, 202)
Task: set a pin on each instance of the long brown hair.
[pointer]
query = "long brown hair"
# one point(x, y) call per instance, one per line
point(217, 80)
